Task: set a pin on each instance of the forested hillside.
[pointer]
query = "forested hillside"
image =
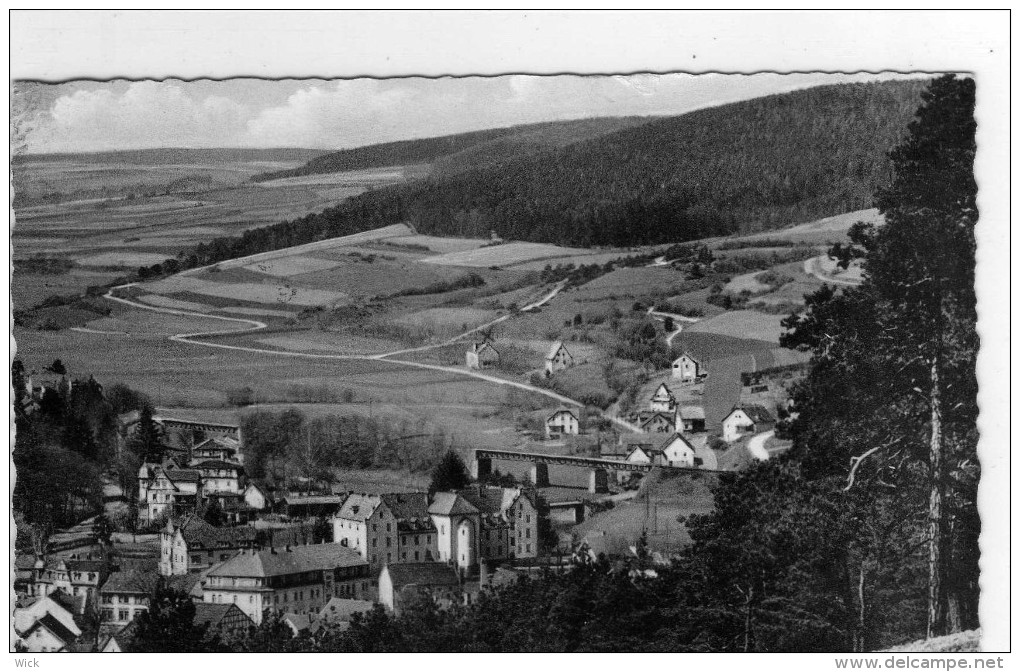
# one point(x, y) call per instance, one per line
point(753, 165)
point(454, 153)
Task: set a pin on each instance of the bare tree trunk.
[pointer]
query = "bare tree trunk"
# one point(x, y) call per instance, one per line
point(936, 515)
point(747, 618)
point(860, 643)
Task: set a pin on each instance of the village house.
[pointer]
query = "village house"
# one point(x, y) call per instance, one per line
point(219, 477)
point(691, 418)
point(167, 490)
point(224, 448)
point(222, 620)
point(256, 497)
point(400, 583)
point(675, 451)
point(558, 358)
point(308, 506)
point(663, 400)
point(126, 595)
point(657, 423)
point(46, 624)
point(77, 577)
point(746, 419)
point(562, 422)
point(190, 544)
point(299, 579)
point(687, 368)
point(482, 356)
point(387, 529)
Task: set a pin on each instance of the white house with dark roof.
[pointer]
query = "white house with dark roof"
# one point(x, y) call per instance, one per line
point(298, 580)
point(256, 497)
point(45, 611)
point(558, 358)
point(486, 523)
point(687, 368)
point(561, 423)
point(191, 545)
point(219, 476)
point(746, 419)
point(674, 451)
point(659, 422)
point(662, 400)
point(691, 419)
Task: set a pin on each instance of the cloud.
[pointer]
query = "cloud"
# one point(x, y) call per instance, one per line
point(145, 114)
point(350, 113)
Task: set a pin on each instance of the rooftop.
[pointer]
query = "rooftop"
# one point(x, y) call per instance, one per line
point(280, 562)
point(450, 503)
point(134, 582)
point(422, 574)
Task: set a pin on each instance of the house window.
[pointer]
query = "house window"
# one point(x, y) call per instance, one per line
point(416, 556)
point(375, 528)
point(404, 555)
point(388, 527)
point(388, 542)
point(528, 549)
point(527, 533)
point(416, 540)
point(122, 615)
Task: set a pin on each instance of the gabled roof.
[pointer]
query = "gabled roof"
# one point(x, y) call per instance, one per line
point(358, 506)
point(422, 574)
point(692, 412)
point(183, 475)
point(136, 583)
point(311, 558)
point(483, 345)
point(488, 499)
point(672, 438)
point(663, 387)
point(198, 533)
point(223, 442)
point(407, 505)
point(652, 418)
point(217, 464)
point(638, 439)
point(449, 504)
point(689, 355)
point(561, 411)
point(58, 629)
point(212, 615)
point(757, 414)
point(647, 450)
point(556, 347)
point(341, 609)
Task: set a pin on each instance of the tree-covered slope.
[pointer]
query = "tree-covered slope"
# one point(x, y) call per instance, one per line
point(751, 165)
point(463, 151)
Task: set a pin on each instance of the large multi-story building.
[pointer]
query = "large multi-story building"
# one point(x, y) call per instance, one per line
point(387, 529)
point(78, 578)
point(192, 545)
point(126, 595)
point(298, 580)
point(486, 523)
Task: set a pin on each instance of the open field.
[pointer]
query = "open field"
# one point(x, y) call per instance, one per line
point(130, 260)
point(439, 245)
point(281, 294)
point(507, 254)
point(745, 324)
point(822, 231)
point(662, 498)
point(353, 178)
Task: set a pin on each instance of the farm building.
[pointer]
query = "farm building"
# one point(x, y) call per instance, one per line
point(663, 400)
point(686, 368)
point(397, 583)
point(482, 356)
point(560, 423)
point(559, 358)
point(749, 418)
point(657, 423)
point(692, 418)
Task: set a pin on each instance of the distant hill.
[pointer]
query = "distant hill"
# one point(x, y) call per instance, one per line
point(454, 153)
point(176, 155)
point(749, 166)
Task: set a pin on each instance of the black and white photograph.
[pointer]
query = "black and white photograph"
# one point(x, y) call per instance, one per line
point(623, 361)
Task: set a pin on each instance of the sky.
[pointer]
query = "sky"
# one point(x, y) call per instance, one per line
point(81, 116)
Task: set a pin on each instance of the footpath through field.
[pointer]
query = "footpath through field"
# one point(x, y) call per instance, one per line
point(248, 326)
point(813, 266)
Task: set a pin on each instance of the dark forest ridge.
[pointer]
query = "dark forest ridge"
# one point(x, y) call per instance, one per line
point(453, 153)
point(170, 155)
